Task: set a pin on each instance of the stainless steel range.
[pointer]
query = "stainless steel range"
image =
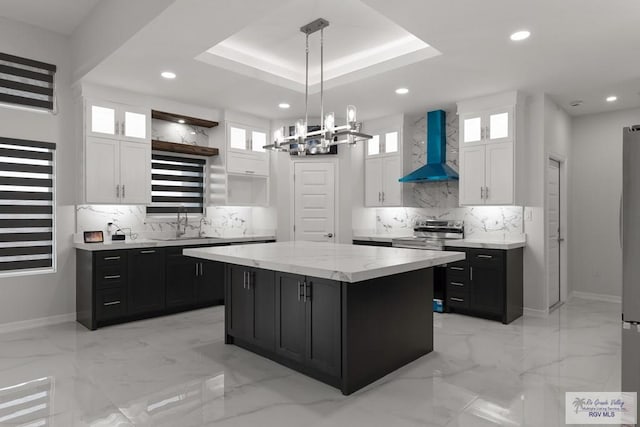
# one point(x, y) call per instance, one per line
point(431, 234)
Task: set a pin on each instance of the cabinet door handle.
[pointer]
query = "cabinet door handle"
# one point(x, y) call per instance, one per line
point(457, 283)
point(383, 197)
point(379, 197)
point(196, 270)
point(249, 171)
point(115, 276)
point(148, 252)
point(304, 291)
point(122, 128)
point(111, 258)
point(485, 256)
point(118, 191)
point(248, 280)
point(456, 299)
point(116, 127)
point(244, 279)
point(111, 303)
point(299, 290)
point(471, 272)
point(486, 193)
point(123, 193)
point(307, 291)
point(457, 268)
point(201, 269)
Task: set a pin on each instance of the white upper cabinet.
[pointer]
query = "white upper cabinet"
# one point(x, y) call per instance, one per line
point(117, 153)
point(490, 150)
point(118, 121)
point(245, 152)
point(386, 161)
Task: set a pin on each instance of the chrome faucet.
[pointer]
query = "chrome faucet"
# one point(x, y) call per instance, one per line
point(182, 232)
point(200, 232)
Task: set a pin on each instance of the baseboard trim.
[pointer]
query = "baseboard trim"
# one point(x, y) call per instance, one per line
point(535, 312)
point(34, 323)
point(596, 297)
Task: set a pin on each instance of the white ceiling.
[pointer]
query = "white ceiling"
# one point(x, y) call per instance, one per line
point(359, 41)
point(61, 16)
point(579, 49)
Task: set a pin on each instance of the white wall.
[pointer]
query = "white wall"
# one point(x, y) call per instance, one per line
point(45, 295)
point(595, 255)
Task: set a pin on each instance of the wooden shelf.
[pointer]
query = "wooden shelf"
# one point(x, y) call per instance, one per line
point(173, 147)
point(170, 117)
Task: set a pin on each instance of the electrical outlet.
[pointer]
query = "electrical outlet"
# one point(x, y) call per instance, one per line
point(528, 214)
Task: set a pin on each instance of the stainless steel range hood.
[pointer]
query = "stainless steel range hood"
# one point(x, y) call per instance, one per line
point(436, 168)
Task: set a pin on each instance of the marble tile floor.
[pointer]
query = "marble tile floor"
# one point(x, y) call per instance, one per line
point(176, 371)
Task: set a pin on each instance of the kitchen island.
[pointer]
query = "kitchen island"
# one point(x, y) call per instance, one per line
point(343, 314)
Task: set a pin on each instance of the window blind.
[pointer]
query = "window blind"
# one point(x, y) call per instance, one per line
point(27, 170)
point(26, 82)
point(177, 183)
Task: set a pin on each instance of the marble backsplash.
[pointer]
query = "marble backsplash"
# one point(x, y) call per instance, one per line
point(493, 222)
point(163, 130)
point(219, 221)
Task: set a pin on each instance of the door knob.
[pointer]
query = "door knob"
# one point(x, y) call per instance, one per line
point(329, 235)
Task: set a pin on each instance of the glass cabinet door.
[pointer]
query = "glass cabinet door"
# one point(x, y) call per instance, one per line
point(102, 120)
point(472, 129)
point(258, 141)
point(499, 125)
point(237, 138)
point(391, 142)
point(373, 146)
point(135, 125)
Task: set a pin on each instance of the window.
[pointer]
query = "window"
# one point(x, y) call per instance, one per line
point(26, 82)
point(27, 200)
point(177, 183)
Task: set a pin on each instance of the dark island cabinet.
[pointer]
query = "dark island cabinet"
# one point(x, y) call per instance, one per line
point(308, 322)
point(488, 283)
point(250, 307)
point(116, 286)
point(146, 281)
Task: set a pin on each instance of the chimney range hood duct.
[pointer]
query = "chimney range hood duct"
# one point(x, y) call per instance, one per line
point(436, 168)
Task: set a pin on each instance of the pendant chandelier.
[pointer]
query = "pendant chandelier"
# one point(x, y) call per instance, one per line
point(329, 134)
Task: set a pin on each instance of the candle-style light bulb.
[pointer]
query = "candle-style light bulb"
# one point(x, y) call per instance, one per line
point(301, 129)
point(351, 114)
point(330, 121)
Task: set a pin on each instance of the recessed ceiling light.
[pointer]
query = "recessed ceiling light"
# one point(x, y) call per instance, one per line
point(402, 91)
point(168, 75)
point(612, 98)
point(181, 121)
point(284, 105)
point(520, 35)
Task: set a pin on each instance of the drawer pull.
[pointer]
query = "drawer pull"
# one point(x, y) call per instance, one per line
point(457, 268)
point(112, 303)
point(148, 252)
point(485, 256)
point(115, 276)
point(111, 258)
point(456, 299)
point(457, 283)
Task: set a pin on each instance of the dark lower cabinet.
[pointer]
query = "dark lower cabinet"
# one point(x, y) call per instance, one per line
point(210, 283)
point(181, 275)
point(488, 283)
point(308, 322)
point(117, 286)
point(146, 281)
point(250, 308)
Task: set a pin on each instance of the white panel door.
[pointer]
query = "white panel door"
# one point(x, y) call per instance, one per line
point(102, 170)
point(553, 232)
point(373, 182)
point(135, 172)
point(499, 174)
point(314, 201)
point(391, 188)
point(472, 165)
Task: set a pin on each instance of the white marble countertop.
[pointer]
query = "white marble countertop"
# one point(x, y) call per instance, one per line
point(504, 244)
point(149, 243)
point(485, 243)
point(346, 263)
